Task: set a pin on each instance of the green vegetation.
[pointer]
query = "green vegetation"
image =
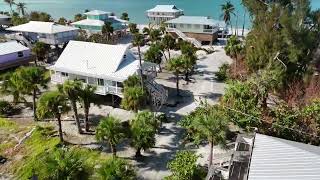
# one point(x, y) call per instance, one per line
point(125, 16)
point(111, 131)
point(5, 108)
point(116, 168)
point(40, 50)
point(176, 65)
point(184, 167)
point(154, 54)
point(87, 96)
point(228, 10)
point(143, 132)
point(222, 74)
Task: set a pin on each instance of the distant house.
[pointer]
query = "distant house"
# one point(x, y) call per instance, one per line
point(102, 65)
point(46, 32)
point(13, 54)
point(96, 19)
point(263, 157)
point(5, 20)
point(203, 29)
point(163, 13)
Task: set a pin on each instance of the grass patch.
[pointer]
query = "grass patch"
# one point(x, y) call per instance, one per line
point(7, 125)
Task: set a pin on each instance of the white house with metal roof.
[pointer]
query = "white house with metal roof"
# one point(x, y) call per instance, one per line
point(5, 20)
point(46, 32)
point(203, 29)
point(13, 54)
point(103, 65)
point(162, 13)
point(96, 19)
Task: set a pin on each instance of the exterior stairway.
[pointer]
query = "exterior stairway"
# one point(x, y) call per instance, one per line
point(158, 94)
point(183, 36)
point(20, 38)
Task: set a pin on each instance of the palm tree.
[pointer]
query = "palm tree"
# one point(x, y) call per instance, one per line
point(21, 8)
point(168, 43)
point(51, 105)
point(116, 168)
point(40, 50)
point(62, 21)
point(213, 126)
point(133, 28)
point(71, 89)
point(132, 81)
point(125, 16)
point(228, 10)
point(60, 163)
point(10, 3)
point(154, 54)
point(155, 35)
point(134, 98)
point(146, 31)
point(12, 86)
point(176, 65)
point(143, 134)
point(87, 95)
point(33, 79)
point(110, 130)
point(138, 40)
point(107, 30)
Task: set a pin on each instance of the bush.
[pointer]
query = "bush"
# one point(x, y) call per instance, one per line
point(5, 108)
point(116, 168)
point(222, 74)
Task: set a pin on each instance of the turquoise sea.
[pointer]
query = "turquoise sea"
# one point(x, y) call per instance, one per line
point(135, 8)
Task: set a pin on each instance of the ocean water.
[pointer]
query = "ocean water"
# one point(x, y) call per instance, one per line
point(136, 8)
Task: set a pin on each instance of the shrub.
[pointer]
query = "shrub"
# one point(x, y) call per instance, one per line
point(5, 108)
point(116, 168)
point(222, 74)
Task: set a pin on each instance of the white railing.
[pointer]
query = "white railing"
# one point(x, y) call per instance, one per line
point(184, 36)
point(58, 78)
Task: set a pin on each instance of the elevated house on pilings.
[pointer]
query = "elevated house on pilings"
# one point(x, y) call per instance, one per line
point(47, 32)
point(106, 67)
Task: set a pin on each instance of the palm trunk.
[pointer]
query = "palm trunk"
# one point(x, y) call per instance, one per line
point(177, 84)
point(160, 69)
point(169, 54)
point(86, 119)
point(211, 154)
point(60, 129)
point(75, 111)
point(36, 61)
point(140, 63)
point(138, 152)
point(187, 77)
point(34, 104)
point(165, 57)
point(113, 150)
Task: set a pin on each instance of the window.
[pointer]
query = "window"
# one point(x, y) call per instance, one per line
point(100, 82)
point(197, 26)
point(189, 26)
point(64, 74)
point(20, 54)
point(92, 81)
point(120, 84)
point(114, 83)
point(182, 25)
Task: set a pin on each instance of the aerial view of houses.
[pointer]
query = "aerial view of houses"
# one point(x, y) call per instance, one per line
point(132, 90)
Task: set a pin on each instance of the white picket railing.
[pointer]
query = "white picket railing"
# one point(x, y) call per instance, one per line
point(184, 36)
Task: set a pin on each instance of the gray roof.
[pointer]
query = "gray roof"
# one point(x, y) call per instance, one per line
point(165, 8)
point(11, 47)
point(2, 16)
point(202, 20)
point(96, 12)
point(278, 159)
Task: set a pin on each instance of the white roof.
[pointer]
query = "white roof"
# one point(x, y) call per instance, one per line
point(277, 159)
point(97, 60)
point(89, 22)
point(96, 12)
point(11, 47)
point(202, 20)
point(41, 27)
point(164, 8)
point(2, 16)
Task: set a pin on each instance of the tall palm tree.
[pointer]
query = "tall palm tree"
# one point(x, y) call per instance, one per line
point(107, 30)
point(111, 131)
point(51, 105)
point(143, 134)
point(10, 3)
point(228, 10)
point(212, 125)
point(138, 40)
point(168, 43)
point(87, 96)
point(21, 8)
point(71, 89)
point(40, 50)
point(154, 54)
point(155, 35)
point(176, 65)
point(33, 79)
point(134, 98)
point(12, 86)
